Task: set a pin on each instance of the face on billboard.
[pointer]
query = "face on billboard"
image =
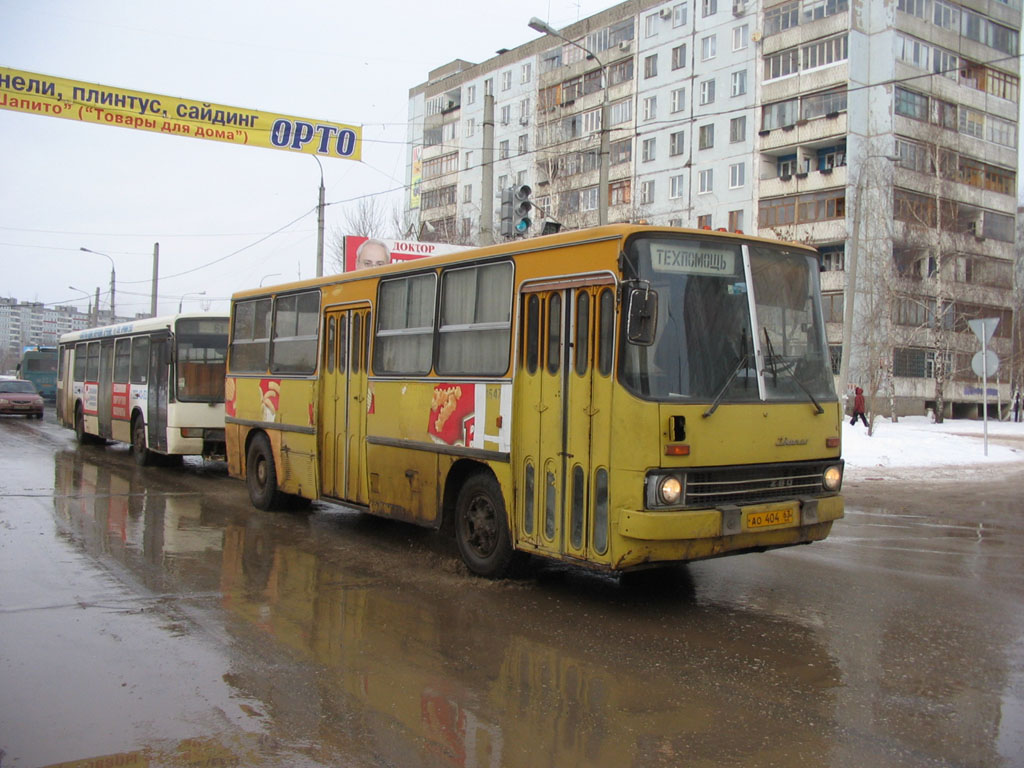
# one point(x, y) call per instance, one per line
point(372, 254)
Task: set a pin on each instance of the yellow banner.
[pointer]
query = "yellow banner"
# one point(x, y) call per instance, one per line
point(104, 105)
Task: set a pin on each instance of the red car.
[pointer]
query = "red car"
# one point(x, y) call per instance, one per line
point(20, 397)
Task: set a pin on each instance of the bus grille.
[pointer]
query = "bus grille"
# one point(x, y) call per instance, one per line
point(705, 487)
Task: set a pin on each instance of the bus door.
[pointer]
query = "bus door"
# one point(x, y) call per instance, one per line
point(563, 415)
point(157, 386)
point(343, 404)
point(106, 388)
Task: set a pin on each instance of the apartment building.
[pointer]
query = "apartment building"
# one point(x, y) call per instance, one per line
point(29, 323)
point(885, 133)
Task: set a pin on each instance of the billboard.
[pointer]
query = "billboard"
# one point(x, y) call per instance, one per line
point(363, 252)
point(106, 105)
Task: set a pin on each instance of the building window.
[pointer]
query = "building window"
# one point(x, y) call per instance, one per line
point(524, 144)
point(621, 151)
point(833, 257)
point(675, 143)
point(819, 104)
point(706, 139)
point(778, 114)
point(704, 221)
point(503, 150)
point(678, 186)
point(707, 92)
point(739, 82)
point(622, 112)
point(824, 52)
point(781, 64)
point(471, 94)
point(469, 160)
point(679, 56)
point(832, 307)
point(619, 192)
point(506, 115)
point(651, 25)
point(524, 111)
point(489, 86)
point(740, 37)
point(708, 47)
point(781, 17)
point(506, 80)
point(678, 99)
point(679, 14)
point(650, 107)
point(911, 104)
point(467, 193)
point(737, 175)
point(470, 127)
point(738, 129)
point(647, 192)
point(736, 221)
point(651, 65)
point(708, 8)
point(705, 180)
point(588, 199)
point(647, 150)
point(620, 71)
point(525, 72)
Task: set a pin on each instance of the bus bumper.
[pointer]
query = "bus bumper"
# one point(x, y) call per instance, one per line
point(649, 537)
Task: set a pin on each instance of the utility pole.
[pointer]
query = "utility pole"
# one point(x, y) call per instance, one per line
point(320, 224)
point(156, 272)
point(487, 191)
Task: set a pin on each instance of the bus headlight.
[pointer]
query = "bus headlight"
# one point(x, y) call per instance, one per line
point(669, 490)
point(832, 478)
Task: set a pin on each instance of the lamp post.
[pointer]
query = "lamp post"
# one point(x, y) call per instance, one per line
point(272, 274)
point(320, 223)
point(602, 198)
point(113, 315)
point(88, 296)
point(182, 299)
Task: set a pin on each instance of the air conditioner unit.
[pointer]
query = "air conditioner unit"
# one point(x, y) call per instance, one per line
point(625, 45)
point(524, 121)
point(665, 13)
point(739, 7)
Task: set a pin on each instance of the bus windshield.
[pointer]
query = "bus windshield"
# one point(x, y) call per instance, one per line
point(201, 354)
point(711, 343)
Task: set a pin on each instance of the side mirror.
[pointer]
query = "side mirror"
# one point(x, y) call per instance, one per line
point(641, 316)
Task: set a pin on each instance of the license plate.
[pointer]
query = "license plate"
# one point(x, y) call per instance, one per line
point(770, 518)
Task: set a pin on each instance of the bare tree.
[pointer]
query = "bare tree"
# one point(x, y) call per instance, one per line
point(368, 217)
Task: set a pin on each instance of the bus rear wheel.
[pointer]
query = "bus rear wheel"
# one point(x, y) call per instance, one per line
point(261, 475)
point(83, 437)
point(143, 456)
point(481, 528)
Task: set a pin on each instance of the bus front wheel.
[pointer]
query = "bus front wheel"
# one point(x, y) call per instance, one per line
point(142, 454)
point(261, 475)
point(81, 435)
point(481, 528)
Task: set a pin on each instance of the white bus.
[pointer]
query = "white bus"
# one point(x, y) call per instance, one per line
point(156, 383)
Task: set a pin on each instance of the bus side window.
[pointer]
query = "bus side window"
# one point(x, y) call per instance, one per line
point(582, 346)
point(343, 343)
point(140, 360)
point(531, 344)
point(81, 357)
point(606, 332)
point(330, 341)
point(366, 347)
point(357, 334)
point(122, 360)
point(554, 333)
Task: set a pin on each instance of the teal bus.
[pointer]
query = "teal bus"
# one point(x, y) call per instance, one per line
point(39, 365)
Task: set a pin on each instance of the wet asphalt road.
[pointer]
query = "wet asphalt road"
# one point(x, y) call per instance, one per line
point(151, 616)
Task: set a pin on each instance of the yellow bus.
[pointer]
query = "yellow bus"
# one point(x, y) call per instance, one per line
point(622, 397)
point(155, 383)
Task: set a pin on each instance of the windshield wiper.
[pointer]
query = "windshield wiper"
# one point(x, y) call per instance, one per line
point(744, 359)
point(787, 368)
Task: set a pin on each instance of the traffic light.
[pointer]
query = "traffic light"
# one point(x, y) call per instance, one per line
point(521, 209)
point(507, 231)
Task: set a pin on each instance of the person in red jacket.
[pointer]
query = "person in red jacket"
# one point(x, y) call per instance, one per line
point(858, 407)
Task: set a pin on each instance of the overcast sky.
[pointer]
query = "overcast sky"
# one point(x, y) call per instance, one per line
point(226, 217)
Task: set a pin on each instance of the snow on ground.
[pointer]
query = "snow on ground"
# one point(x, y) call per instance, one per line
point(914, 441)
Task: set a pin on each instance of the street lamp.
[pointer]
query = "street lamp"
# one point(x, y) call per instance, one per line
point(320, 223)
point(602, 198)
point(182, 299)
point(88, 296)
point(272, 274)
point(113, 316)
